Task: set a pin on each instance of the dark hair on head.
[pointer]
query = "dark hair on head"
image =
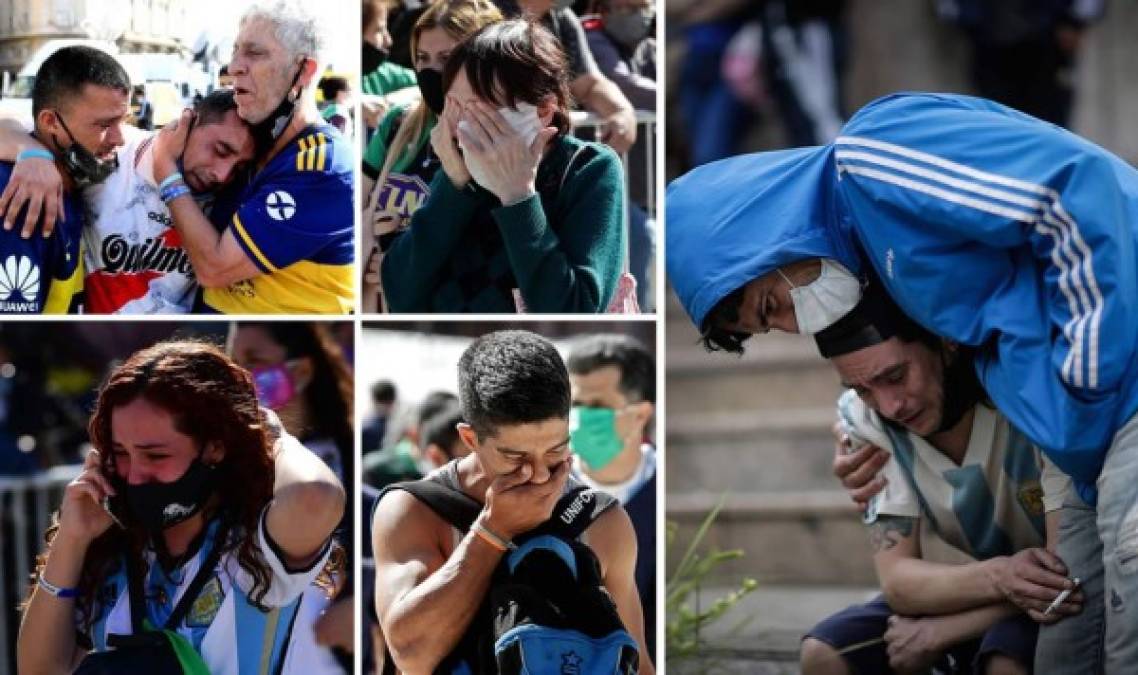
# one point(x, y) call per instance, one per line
point(441, 428)
point(328, 396)
point(212, 108)
point(433, 403)
point(512, 377)
point(62, 76)
point(332, 85)
point(636, 364)
point(713, 335)
point(383, 392)
point(212, 400)
point(514, 61)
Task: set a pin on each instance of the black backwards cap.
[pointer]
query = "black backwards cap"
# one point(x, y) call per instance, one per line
point(874, 319)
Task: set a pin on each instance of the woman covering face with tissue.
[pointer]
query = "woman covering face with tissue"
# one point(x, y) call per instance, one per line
point(522, 216)
point(399, 163)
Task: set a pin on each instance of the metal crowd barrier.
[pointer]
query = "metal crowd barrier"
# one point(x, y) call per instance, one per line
point(26, 505)
point(645, 129)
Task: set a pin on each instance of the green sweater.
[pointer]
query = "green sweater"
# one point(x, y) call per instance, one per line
point(388, 77)
point(561, 248)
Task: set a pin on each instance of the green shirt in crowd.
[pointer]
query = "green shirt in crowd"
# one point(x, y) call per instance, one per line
point(388, 77)
point(559, 251)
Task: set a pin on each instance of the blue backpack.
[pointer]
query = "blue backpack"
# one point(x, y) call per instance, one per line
point(547, 611)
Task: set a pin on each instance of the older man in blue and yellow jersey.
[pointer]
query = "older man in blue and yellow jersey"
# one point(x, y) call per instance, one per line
point(283, 242)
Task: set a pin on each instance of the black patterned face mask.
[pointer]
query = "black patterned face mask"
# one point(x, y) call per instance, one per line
point(157, 506)
point(82, 164)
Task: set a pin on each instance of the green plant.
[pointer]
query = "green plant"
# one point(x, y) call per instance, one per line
point(687, 618)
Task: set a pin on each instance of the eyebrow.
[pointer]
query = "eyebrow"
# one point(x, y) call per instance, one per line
point(879, 374)
point(511, 451)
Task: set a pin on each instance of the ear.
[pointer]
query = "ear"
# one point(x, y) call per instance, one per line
point(545, 110)
point(302, 372)
point(308, 73)
point(468, 435)
point(436, 456)
point(48, 121)
point(638, 415)
point(213, 454)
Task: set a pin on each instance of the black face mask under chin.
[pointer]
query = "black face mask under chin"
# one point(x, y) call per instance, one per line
point(962, 389)
point(157, 506)
point(373, 57)
point(82, 165)
point(266, 132)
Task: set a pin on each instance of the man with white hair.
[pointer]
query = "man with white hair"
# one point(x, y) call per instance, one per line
point(283, 243)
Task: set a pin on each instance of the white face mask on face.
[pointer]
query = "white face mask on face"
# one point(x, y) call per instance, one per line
point(823, 301)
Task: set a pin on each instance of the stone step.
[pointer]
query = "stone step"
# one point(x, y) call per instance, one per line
point(804, 536)
point(745, 390)
point(764, 450)
point(761, 633)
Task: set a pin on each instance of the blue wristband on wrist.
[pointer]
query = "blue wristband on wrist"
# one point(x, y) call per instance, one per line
point(170, 180)
point(173, 192)
point(35, 153)
point(57, 591)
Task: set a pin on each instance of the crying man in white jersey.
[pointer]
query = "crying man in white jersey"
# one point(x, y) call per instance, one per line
point(134, 259)
point(958, 473)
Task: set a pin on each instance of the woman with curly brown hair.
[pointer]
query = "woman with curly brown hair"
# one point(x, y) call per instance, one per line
point(187, 518)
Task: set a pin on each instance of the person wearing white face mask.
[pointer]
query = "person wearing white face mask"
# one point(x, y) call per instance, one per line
point(522, 216)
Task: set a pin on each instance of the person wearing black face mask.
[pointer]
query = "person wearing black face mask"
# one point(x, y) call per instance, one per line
point(195, 518)
point(80, 98)
point(381, 75)
point(958, 470)
point(399, 163)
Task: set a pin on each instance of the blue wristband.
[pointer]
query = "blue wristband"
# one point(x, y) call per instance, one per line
point(173, 192)
point(57, 591)
point(170, 180)
point(35, 153)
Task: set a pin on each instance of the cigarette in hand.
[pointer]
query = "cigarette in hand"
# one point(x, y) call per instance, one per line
point(1063, 595)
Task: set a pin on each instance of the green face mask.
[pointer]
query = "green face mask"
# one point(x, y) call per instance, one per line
point(592, 435)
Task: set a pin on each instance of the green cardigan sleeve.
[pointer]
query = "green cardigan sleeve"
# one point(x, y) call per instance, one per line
point(576, 269)
point(413, 266)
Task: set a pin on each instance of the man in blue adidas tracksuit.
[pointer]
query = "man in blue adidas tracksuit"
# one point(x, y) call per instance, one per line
point(992, 229)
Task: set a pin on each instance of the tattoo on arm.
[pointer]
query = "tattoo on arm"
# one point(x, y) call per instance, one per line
point(887, 531)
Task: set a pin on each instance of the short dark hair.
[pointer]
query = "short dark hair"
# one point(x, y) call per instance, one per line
point(512, 377)
point(383, 392)
point(212, 108)
point(332, 85)
point(713, 335)
point(441, 428)
point(63, 75)
point(515, 60)
point(433, 403)
point(636, 364)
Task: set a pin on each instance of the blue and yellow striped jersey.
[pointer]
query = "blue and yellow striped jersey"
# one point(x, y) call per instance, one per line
point(294, 221)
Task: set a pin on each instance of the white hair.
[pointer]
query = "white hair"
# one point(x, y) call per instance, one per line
point(297, 25)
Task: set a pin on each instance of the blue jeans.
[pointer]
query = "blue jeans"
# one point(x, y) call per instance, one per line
point(1100, 546)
